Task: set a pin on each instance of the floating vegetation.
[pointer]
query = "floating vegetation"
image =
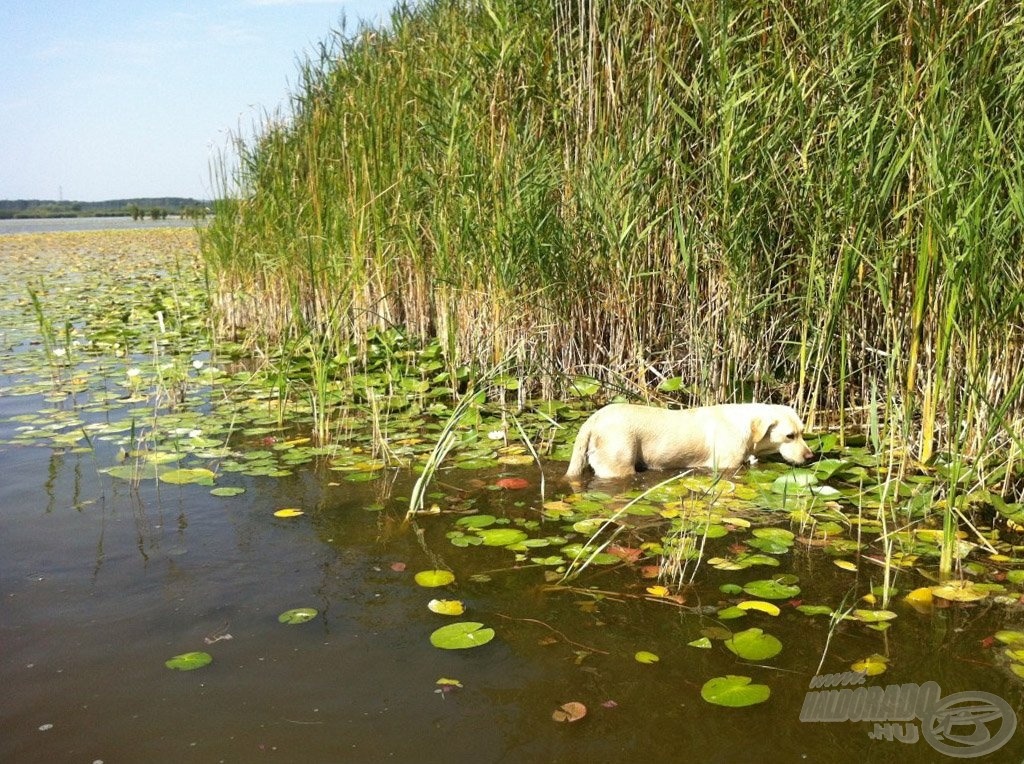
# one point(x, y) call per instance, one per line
point(128, 373)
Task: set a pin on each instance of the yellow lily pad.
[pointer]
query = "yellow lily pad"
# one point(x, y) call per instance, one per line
point(289, 512)
point(764, 607)
point(873, 665)
point(446, 607)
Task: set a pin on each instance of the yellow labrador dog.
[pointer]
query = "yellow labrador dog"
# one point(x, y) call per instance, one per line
point(621, 438)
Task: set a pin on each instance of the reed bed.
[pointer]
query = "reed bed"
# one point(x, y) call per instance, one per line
point(813, 202)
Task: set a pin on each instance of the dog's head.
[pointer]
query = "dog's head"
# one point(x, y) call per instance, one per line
point(778, 430)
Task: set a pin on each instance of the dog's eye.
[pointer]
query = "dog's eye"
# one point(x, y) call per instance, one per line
point(791, 436)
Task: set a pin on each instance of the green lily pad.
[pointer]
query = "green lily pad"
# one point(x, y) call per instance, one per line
point(227, 491)
point(477, 521)
point(643, 656)
point(814, 609)
point(734, 691)
point(795, 482)
point(462, 635)
point(189, 661)
point(727, 614)
point(432, 578)
point(754, 645)
point(187, 475)
point(703, 643)
point(298, 615)
point(502, 536)
point(771, 589)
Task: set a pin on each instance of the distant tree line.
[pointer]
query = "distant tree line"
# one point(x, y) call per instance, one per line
point(154, 208)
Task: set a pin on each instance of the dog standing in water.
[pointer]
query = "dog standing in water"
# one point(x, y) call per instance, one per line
point(622, 438)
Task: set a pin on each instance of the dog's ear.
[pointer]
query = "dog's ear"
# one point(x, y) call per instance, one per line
point(760, 427)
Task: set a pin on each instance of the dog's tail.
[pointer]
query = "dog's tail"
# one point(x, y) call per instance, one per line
point(578, 462)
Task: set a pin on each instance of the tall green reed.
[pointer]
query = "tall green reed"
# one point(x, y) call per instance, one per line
point(804, 202)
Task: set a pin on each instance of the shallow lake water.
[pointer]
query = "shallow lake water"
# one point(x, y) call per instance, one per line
point(102, 580)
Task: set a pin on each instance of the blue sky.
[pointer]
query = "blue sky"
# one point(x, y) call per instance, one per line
point(105, 100)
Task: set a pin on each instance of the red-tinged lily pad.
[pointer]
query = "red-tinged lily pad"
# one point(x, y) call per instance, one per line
point(512, 483)
point(734, 691)
point(569, 712)
point(189, 661)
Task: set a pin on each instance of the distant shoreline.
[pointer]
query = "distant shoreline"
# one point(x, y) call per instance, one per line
point(154, 208)
point(57, 225)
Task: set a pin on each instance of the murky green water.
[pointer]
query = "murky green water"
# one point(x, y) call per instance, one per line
point(102, 580)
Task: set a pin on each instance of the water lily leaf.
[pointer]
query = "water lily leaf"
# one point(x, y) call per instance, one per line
point(795, 482)
point(188, 475)
point(462, 635)
point(1011, 637)
point(754, 645)
point(845, 565)
point(703, 643)
point(780, 535)
point(960, 591)
point(227, 491)
point(814, 609)
point(658, 591)
point(873, 616)
point(298, 615)
point(1015, 577)
point(643, 656)
point(771, 589)
point(477, 521)
point(764, 607)
point(288, 512)
point(569, 712)
point(189, 661)
point(446, 607)
point(434, 578)
point(920, 599)
point(502, 536)
point(728, 613)
point(734, 691)
point(873, 665)
point(512, 483)
point(134, 472)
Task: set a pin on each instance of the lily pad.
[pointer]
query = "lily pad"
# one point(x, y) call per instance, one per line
point(288, 512)
point(569, 712)
point(476, 521)
point(873, 665)
point(734, 691)
point(298, 615)
point(446, 607)
point(502, 536)
point(227, 491)
point(764, 607)
point(754, 645)
point(433, 578)
point(462, 635)
point(643, 656)
point(771, 589)
point(189, 661)
point(187, 475)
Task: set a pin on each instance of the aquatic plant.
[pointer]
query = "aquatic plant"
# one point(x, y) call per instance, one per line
point(818, 203)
